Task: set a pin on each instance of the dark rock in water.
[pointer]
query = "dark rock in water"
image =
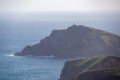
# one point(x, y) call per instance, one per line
point(96, 68)
point(76, 41)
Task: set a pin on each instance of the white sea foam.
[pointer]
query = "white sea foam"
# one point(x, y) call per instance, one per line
point(10, 55)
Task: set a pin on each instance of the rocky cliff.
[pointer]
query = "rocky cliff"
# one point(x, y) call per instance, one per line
point(96, 68)
point(76, 41)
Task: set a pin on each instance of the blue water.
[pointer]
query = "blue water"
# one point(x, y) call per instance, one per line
point(13, 39)
point(24, 68)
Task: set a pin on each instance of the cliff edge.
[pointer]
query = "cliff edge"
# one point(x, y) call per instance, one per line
point(95, 68)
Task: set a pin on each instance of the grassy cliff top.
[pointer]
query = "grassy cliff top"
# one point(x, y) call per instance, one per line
point(90, 62)
point(102, 64)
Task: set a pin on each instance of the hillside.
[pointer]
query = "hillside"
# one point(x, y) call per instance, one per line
point(95, 68)
point(76, 41)
point(106, 74)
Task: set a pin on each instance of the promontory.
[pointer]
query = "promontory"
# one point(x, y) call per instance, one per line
point(74, 42)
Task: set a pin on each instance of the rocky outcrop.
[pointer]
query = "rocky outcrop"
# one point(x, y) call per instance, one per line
point(96, 68)
point(76, 41)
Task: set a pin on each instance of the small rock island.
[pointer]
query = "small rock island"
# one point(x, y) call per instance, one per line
point(74, 42)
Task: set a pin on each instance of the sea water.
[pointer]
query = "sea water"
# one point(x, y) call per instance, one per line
point(13, 38)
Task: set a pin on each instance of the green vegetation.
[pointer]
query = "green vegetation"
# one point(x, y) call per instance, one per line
point(88, 62)
point(109, 39)
point(109, 65)
point(115, 71)
point(103, 74)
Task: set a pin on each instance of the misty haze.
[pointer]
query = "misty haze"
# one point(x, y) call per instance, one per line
point(60, 40)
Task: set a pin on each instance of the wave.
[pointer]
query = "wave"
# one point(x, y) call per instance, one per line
point(10, 55)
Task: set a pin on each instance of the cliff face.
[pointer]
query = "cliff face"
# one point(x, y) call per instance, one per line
point(76, 41)
point(97, 68)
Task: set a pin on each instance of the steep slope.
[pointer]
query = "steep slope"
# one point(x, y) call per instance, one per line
point(85, 69)
point(105, 74)
point(76, 41)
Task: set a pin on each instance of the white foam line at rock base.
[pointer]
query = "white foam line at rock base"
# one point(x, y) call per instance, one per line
point(10, 55)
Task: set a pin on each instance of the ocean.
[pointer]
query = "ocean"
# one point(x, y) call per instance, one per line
point(13, 39)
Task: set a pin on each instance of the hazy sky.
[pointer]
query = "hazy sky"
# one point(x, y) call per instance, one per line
point(59, 5)
point(14, 11)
